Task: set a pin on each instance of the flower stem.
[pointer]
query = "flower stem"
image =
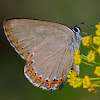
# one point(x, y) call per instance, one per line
point(83, 57)
point(98, 78)
point(96, 85)
point(87, 63)
point(96, 82)
point(92, 61)
point(93, 47)
point(95, 63)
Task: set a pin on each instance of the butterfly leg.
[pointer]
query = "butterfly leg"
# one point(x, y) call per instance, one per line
point(76, 69)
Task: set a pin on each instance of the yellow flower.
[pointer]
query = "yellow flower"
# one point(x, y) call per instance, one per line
point(97, 26)
point(71, 77)
point(86, 82)
point(92, 89)
point(77, 59)
point(87, 41)
point(91, 56)
point(96, 40)
point(97, 32)
point(71, 72)
point(98, 50)
point(97, 71)
point(77, 82)
point(77, 52)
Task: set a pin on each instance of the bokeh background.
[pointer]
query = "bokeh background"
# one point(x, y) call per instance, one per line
point(13, 84)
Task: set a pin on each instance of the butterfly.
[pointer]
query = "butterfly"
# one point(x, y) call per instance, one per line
point(48, 49)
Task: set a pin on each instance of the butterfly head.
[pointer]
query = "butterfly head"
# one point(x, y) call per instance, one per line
point(76, 29)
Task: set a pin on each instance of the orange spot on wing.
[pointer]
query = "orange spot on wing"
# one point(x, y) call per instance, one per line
point(25, 54)
point(20, 50)
point(30, 63)
point(33, 76)
point(11, 37)
point(15, 43)
point(46, 83)
point(63, 78)
point(38, 80)
point(8, 32)
point(7, 25)
point(59, 82)
point(31, 55)
point(30, 71)
point(54, 83)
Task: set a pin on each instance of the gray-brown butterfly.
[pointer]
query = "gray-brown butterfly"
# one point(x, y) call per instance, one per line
point(48, 49)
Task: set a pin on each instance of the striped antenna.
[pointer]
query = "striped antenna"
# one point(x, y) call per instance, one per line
point(83, 24)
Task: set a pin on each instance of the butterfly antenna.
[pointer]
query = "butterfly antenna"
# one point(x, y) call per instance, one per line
point(83, 24)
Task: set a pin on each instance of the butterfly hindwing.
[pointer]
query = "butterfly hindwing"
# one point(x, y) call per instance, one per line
point(49, 63)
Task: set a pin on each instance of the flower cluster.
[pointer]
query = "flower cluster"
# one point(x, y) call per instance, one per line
point(73, 79)
point(87, 41)
point(86, 82)
point(91, 56)
point(77, 57)
point(94, 44)
point(97, 71)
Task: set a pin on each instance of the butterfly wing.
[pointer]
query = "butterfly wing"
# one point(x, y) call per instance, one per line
point(49, 63)
point(46, 47)
point(23, 34)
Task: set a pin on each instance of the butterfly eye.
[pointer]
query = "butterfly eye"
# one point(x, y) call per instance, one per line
point(77, 29)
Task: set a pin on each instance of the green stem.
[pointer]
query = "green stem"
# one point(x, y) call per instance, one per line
point(92, 61)
point(93, 47)
point(87, 63)
point(98, 78)
point(95, 63)
point(83, 57)
point(96, 85)
point(96, 82)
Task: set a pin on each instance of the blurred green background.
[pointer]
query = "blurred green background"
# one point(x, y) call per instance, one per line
point(13, 84)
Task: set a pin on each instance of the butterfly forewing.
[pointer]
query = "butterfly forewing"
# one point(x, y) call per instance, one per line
point(24, 34)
